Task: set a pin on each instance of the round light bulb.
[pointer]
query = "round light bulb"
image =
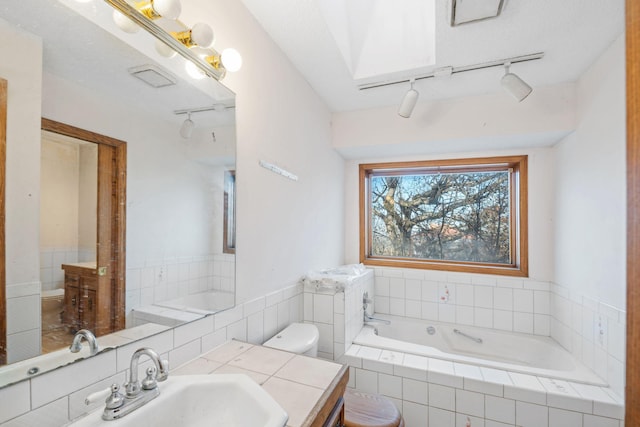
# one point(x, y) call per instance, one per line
point(193, 71)
point(169, 9)
point(202, 35)
point(164, 50)
point(124, 23)
point(231, 59)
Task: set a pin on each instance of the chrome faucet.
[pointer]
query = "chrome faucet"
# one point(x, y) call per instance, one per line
point(76, 344)
point(133, 387)
point(137, 393)
point(369, 320)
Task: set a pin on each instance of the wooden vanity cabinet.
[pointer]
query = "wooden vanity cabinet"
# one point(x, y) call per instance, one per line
point(330, 409)
point(80, 297)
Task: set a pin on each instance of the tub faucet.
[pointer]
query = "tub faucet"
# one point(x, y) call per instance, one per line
point(137, 393)
point(76, 344)
point(368, 320)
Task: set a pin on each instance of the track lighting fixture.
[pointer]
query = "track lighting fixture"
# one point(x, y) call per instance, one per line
point(187, 127)
point(186, 130)
point(408, 102)
point(514, 84)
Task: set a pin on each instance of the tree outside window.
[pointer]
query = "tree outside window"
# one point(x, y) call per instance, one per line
point(461, 215)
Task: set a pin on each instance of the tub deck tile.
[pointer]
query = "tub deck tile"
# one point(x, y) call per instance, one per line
point(525, 394)
point(445, 379)
point(467, 371)
point(412, 373)
point(481, 386)
point(496, 376)
point(558, 397)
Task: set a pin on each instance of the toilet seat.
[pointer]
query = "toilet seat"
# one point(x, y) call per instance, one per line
point(297, 338)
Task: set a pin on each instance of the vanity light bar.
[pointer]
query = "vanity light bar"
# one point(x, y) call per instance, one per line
point(454, 70)
point(154, 29)
point(278, 170)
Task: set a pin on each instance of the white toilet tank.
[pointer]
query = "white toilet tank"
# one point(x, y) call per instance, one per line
point(300, 338)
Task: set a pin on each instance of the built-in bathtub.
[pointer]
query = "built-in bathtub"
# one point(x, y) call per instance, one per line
point(201, 303)
point(183, 309)
point(508, 379)
point(509, 351)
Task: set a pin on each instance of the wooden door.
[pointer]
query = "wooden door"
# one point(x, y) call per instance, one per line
point(3, 151)
point(108, 299)
point(632, 392)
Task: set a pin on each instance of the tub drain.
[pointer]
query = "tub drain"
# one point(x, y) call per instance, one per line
point(431, 330)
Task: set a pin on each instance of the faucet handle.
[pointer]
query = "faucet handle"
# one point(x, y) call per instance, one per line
point(149, 383)
point(97, 396)
point(116, 399)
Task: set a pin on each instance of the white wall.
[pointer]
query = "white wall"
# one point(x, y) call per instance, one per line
point(59, 194)
point(589, 297)
point(590, 201)
point(88, 202)
point(285, 228)
point(541, 181)
point(23, 73)
point(483, 122)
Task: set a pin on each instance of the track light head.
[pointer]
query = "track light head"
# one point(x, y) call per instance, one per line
point(408, 102)
point(513, 84)
point(186, 130)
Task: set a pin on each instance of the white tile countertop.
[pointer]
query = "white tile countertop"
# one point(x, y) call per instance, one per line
point(300, 384)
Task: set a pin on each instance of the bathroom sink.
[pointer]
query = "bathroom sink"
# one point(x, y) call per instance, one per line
point(230, 400)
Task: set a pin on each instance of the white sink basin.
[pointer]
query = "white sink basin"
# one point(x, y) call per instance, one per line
point(229, 400)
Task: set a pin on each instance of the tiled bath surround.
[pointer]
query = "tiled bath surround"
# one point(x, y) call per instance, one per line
point(337, 314)
point(54, 398)
point(161, 280)
point(438, 393)
point(510, 304)
point(593, 332)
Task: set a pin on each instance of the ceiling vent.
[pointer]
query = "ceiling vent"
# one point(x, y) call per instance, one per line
point(153, 75)
point(467, 11)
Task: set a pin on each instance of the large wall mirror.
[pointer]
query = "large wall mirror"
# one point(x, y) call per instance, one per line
point(75, 87)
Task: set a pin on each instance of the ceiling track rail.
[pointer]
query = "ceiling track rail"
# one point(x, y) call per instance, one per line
point(455, 70)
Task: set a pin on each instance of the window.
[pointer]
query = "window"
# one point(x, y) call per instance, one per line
point(229, 230)
point(467, 215)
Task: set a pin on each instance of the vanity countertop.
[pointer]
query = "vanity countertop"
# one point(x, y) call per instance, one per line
point(89, 264)
point(301, 385)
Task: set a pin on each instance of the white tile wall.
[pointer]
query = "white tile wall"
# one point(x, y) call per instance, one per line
point(52, 399)
point(592, 331)
point(439, 393)
point(23, 321)
point(339, 314)
point(521, 305)
point(161, 280)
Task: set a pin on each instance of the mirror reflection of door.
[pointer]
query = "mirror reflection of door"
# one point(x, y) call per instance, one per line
point(68, 215)
point(81, 233)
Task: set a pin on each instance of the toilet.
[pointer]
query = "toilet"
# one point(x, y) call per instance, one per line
point(300, 338)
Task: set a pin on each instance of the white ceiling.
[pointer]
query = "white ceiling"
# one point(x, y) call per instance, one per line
point(327, 41)
point(78, 50)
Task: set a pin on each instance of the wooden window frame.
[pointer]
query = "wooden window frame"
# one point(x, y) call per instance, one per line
point(229, 229)
point(519, 213)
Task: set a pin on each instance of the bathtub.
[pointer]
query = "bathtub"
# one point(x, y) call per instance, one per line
point(200, 303)
point(509, 351)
